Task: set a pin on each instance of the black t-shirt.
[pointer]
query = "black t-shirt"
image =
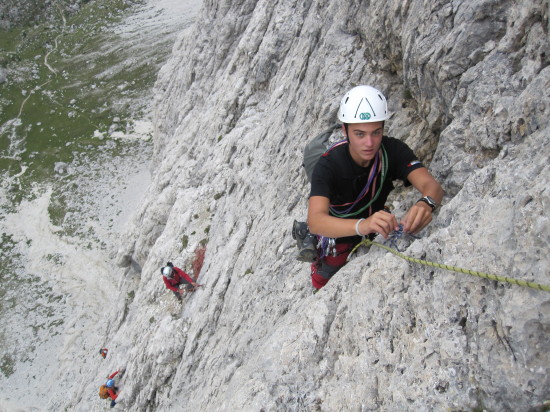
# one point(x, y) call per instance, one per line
point(337, 177)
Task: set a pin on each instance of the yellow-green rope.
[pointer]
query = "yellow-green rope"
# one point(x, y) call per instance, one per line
point(368, 242)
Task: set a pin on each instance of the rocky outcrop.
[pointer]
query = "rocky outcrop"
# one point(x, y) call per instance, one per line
point(468, 84)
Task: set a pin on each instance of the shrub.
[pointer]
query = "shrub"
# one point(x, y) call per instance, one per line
point(184, 241)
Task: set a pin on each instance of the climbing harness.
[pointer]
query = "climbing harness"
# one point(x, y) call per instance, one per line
point(400, 234)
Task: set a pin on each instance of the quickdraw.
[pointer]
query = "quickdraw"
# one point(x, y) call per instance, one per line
point(327, 246)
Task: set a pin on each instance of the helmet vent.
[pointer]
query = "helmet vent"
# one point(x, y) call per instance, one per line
point(371, 108)
point(358, 106)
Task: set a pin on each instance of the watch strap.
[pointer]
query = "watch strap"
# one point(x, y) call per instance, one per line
point(429, 201)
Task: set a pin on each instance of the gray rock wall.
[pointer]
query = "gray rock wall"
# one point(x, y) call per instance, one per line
point(247, 86)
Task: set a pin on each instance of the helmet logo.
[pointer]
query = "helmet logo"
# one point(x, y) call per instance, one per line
point(364, 116)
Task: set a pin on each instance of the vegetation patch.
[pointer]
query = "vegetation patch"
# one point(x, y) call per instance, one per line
point(7, 365)
point(50, 110)
point(184, 241)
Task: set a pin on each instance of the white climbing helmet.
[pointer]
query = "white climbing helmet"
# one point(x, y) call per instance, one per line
point(167, 271)
point(363, 104)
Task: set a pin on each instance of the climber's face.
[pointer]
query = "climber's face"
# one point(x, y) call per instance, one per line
point(364, 141)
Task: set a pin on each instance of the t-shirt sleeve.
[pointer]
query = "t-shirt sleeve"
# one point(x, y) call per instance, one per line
point(402, 160)
point(322, 180)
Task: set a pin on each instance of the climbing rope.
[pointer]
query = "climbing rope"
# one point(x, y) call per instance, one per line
point(400, 234)
point(375, 170)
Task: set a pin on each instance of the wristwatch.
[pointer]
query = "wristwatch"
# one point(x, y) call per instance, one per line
point(427, 199)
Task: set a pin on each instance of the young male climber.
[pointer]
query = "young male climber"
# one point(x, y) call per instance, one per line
point(174, 277)
point(352, 180)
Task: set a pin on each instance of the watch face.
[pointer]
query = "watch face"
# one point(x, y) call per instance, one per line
point(429, 201)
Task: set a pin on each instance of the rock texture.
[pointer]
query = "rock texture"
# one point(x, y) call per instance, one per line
point(468, 83)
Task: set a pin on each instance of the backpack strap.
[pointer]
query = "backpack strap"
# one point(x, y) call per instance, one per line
point(315, 149)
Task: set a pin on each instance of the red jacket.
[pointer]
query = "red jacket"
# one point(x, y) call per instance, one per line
point(179, 277)
point(112, 394)
point(111, 391)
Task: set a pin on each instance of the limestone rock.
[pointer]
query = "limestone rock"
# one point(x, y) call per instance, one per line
point(468, 83)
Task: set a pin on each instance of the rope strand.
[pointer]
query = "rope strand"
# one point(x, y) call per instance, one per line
point(367, 242)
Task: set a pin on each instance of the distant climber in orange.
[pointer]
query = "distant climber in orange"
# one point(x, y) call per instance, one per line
point(109, 390)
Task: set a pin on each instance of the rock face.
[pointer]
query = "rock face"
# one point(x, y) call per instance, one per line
point(468, 83)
